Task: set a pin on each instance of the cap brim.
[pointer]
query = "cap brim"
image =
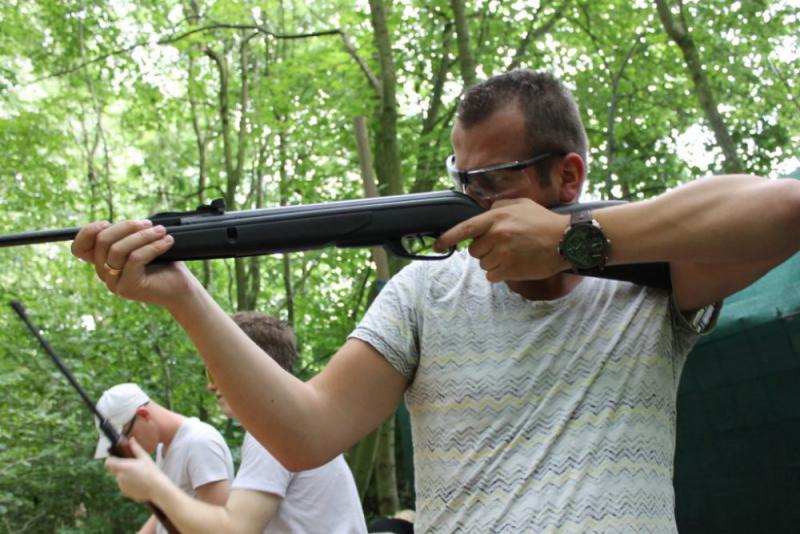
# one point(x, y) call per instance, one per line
point(103, 444)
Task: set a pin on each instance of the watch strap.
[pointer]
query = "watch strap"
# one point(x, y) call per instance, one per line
point(580, 217)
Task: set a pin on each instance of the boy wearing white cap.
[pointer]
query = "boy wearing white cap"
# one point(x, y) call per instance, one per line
point(191, 453)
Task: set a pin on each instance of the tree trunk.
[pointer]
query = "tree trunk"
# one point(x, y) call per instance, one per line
point(678, 31)
point(387, 153)
point(428, 168)
point(288, 284)
point(465, 58)
point(361, 459)
point(201, 139)
point(380, 450)
point(92, 146)
point(234, 165)
point(386, 470)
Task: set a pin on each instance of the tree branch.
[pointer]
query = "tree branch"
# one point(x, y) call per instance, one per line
point(175, 38)
point(371, 78)
point(534, 34)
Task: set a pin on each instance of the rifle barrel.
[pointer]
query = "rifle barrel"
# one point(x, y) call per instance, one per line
point(41, 236)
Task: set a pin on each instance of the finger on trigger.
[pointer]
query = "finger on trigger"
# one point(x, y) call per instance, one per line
point(472, 227)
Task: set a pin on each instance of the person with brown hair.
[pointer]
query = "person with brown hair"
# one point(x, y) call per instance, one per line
point(540, 400)
point(265, 496)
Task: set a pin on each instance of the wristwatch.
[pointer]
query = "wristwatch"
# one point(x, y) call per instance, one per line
point(584, 244)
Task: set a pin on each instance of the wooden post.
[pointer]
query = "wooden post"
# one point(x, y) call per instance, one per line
point(371, 190)
point(374, 456)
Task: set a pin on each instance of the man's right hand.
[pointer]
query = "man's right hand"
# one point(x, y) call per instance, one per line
point(121, 253)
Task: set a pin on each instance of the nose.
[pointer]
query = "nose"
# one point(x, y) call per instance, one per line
point(487, 201)
point(211, 387)
point(483, 201)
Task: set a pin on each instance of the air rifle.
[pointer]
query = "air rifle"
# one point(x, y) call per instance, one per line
point(119, 444)
point(406, 225)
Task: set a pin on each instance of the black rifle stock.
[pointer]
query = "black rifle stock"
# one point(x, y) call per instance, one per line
point(209, 232)
point(120, 446)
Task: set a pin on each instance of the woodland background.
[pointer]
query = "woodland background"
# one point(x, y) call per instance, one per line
point(123, 108)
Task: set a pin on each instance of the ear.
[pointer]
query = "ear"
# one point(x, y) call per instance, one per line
point(143, 412)
point(571, 173)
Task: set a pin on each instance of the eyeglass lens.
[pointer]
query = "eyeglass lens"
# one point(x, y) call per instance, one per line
point(127, 432)
point(497, 182)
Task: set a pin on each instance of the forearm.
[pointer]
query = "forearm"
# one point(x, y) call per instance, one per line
point(714, 220)
point(282, 412)
point(149, 526)
point(189, 514)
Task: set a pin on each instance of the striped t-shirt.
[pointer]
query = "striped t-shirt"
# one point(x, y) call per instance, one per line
point(534, 416)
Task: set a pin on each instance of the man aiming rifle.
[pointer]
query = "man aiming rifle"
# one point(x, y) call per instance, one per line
point(539, 399)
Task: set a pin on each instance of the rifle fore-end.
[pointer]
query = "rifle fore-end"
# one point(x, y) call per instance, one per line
point(350, 223)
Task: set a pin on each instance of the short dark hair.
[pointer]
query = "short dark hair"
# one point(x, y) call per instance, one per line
point(274, 336)
point(552, 119)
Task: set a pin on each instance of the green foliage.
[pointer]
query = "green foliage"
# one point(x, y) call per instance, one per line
point(106, 108)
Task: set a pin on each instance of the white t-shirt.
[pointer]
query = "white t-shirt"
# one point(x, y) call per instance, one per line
point(534, 416)
point(197, 455)
point(324, 499)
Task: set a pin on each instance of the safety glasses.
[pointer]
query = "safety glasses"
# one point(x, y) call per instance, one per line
point(495, 180)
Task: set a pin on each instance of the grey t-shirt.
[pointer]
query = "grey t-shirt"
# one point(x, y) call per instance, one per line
point(534, 416)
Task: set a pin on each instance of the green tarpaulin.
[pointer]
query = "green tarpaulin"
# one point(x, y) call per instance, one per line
point(737, 465)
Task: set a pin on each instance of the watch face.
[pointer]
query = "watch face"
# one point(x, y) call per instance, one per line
point(585, 246)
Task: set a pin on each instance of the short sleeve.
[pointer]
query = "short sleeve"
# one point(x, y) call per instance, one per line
point(392, 323)
point(260, 471)
point(210, 459)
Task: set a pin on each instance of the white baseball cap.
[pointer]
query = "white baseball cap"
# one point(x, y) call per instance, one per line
point(118, 405)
